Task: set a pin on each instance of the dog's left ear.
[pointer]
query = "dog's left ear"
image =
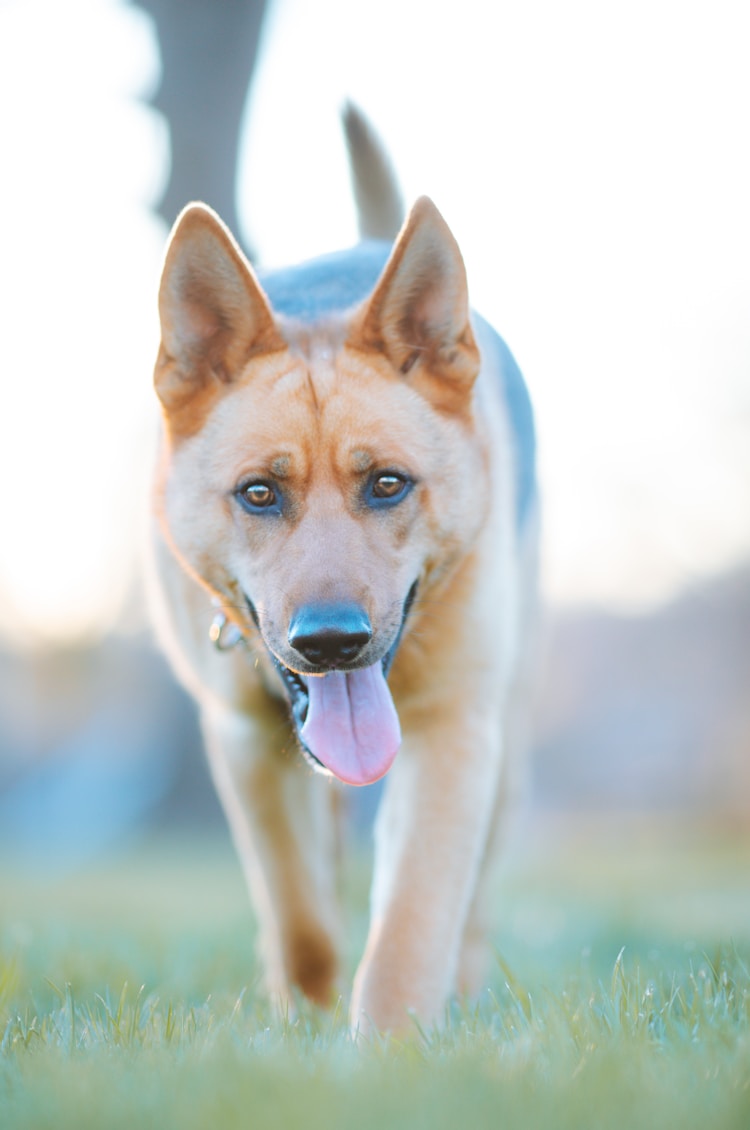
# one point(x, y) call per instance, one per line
point(418, 313)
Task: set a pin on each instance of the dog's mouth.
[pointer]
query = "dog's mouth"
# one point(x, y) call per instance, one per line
point(346, 721)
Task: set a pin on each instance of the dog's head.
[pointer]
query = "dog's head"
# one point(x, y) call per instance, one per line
point(317, 473)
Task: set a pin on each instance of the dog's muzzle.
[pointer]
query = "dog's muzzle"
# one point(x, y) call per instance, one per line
point(329, 637)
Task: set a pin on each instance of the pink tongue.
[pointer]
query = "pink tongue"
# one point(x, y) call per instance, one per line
point(351, 725)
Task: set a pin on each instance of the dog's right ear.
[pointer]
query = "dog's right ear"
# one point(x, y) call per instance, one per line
point(214, 315)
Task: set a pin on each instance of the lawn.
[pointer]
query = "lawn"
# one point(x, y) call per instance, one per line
point(620, 998)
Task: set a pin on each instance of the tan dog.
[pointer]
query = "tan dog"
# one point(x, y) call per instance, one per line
point(346, 477)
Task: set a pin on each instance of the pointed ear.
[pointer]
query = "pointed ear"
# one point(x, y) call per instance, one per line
point(214, 315)
point(419, 312)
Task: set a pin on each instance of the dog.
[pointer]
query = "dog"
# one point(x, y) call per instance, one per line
point(345, 488)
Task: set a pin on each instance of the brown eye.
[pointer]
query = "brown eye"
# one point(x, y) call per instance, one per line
point(258, 496)
point(389, 487)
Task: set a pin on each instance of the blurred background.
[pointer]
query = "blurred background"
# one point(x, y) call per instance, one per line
point(593, 162)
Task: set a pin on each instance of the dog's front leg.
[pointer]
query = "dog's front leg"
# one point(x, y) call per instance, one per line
point(282, 822)
point(429, 841)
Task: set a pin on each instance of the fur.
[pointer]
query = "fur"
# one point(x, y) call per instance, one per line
point(347, 439)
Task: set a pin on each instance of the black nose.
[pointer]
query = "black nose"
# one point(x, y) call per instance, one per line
point(329, 634)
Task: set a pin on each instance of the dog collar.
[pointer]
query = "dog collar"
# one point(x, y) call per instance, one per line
point(223, 634)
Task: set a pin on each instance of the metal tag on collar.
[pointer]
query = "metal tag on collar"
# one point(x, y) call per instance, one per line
point(223, 634)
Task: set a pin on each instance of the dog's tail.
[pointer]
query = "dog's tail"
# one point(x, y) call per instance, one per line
point(380, 209)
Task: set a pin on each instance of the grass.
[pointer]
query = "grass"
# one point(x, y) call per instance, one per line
point(620, 998)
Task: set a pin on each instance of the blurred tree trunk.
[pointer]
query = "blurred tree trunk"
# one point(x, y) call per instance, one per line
point(208, 51)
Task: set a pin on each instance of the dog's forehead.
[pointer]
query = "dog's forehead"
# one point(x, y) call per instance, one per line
point(326, 409)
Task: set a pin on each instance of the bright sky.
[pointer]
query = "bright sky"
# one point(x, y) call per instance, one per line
point(593, 162)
